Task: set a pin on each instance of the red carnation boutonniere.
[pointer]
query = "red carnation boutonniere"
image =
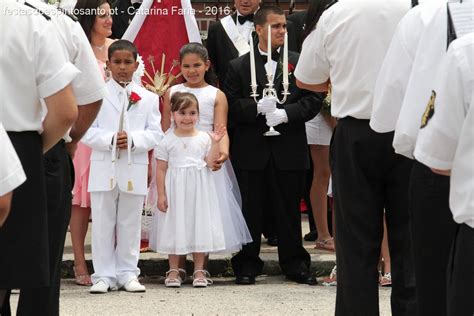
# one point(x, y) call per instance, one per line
point(133, 99)
point(291, 68)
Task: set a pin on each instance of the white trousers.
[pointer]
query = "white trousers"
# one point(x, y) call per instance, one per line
point(116, 224)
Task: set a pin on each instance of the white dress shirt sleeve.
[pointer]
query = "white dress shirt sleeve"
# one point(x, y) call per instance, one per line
point(53, 71)
point(11, 171)
point(313, 65)
point(437, 141)
point(88, 86)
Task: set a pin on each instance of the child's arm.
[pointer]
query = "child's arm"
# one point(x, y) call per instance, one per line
point(148, 138)
point(216, 137)
point(166, 111)
point(98, 138)
point(220, 118)
point(161, 167)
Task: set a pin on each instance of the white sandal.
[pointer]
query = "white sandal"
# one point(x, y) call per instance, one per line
point(182, 274)
point(173, 282)
point(202, 282)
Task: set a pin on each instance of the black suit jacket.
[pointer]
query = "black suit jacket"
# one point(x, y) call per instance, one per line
point(125, 13)
point(250, 149)
point(298, 19)
point(222, 50)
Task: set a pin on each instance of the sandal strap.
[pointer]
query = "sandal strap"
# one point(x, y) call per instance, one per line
point(207, 276)
point(324, 241)
point(172, 270)
point(205, 272)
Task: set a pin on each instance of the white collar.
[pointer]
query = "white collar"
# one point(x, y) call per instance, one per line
point(265, 53)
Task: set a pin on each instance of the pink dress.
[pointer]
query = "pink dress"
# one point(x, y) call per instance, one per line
point(82, 165)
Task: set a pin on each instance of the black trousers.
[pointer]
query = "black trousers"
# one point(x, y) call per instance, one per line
point(280, 191)
point(45, 301)
point(24, 259)
point(461, 273)
point(432, 231)
point(369, 177)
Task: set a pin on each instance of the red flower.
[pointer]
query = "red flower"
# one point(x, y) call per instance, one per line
point(291, 67)
point(132, 99)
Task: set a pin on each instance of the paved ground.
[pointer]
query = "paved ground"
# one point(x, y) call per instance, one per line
point(270, 296)
point(153, 264)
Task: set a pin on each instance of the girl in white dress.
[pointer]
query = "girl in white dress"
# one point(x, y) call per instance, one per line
point(213, 112)
point(189, 220)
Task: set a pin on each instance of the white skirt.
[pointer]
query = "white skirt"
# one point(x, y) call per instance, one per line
point(193, 221)
point(236, 232)
point(318, 131)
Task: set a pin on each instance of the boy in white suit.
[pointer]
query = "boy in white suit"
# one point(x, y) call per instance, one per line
point(126, 128)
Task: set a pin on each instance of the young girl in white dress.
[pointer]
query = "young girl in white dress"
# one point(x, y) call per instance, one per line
point(189, 220)
point(213, 112)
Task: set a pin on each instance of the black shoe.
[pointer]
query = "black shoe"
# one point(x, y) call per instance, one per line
point(272, 241)
point(304, 277)
point(245, 279)
point(311, 236)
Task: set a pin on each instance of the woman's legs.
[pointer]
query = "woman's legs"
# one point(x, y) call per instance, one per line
point(319, 188)
point(78, 226)
point(385, 265)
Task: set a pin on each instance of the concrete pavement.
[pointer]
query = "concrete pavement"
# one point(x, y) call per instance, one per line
point(153, 264)
point(270, 296)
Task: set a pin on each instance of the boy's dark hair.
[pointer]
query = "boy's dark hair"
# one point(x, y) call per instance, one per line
point(182, 101)
point(123, 45)
point(86, 19)
point(260, 17)
point(201, 51)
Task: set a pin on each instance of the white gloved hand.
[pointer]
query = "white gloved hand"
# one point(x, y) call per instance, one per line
point(276, 117)
point(266, 105)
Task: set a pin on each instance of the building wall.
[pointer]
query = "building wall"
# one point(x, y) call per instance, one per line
point(207, 11)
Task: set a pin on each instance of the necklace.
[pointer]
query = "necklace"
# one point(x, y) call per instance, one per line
point(100, 48)
point(182, 142)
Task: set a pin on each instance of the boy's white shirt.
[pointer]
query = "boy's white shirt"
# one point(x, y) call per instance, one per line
point(142, 124)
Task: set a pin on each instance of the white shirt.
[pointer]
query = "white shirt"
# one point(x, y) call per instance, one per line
point(348, 47)
point(11, 171)
point(32, 66)
point(394, 75)
point(447, 140)
point(274, 64)
point(244, 29)
point(88, 86)
point(432, 49)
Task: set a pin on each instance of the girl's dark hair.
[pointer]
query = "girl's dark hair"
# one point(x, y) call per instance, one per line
point(315, 10)
point(182, 101)
point(201, 51)
point(87, 19)
point(122, 45)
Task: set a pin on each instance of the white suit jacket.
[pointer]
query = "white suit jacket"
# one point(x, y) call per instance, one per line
point(142, 124)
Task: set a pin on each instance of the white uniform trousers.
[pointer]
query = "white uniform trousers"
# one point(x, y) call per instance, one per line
point(116, 224)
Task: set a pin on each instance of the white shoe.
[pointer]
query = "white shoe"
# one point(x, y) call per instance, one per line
point(99, 288)
point(134, 286)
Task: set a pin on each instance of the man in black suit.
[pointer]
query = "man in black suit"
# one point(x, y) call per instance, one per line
point(125, 11)
point(270, 170)
point(229, 37)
